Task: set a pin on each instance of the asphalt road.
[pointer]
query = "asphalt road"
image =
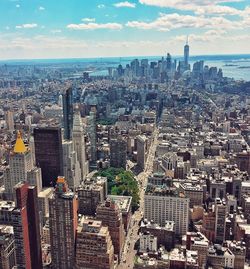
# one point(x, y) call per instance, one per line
point(127, 260)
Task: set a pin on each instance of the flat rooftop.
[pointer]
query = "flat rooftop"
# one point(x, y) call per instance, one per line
point(123, 202)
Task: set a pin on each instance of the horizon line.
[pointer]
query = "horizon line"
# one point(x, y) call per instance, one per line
point(118, 57)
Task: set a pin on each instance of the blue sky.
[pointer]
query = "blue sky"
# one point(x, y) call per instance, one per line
point(103, 28)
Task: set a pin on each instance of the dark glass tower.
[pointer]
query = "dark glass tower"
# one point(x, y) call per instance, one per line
point(48, 153)
point(68, 113)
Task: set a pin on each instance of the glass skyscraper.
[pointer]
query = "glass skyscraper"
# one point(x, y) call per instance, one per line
point(68, 113)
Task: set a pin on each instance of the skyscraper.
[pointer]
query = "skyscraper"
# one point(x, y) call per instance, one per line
point(79, 143)
point(118, 153)
point(68, 113)
point(63, 225)
point(141, 143)
point(21, 168)
point(91, 130)
point(169, 62)
point(220, 220)
point(186, 55)
point(26, 197)
point(23, 216)
point(9, 118)
point(71, 166)
point(49, 153)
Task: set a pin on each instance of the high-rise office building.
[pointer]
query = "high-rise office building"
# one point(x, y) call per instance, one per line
point(9, 118)
point(186, 55)
point(49, 153)
point(23, 216)
point(91, 130)
point(94, 247)
point(43, 204)
point(79, 143)
point(21, 168)
point(26, 197)
point(68, 113)
point(141, 143)
point(63, 225)
point(220, 220)
point(118, 153)
point(110, 215)
point(169, 62)
point(71, 166)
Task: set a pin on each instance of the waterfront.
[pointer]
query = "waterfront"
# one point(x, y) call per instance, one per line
point(235, 66)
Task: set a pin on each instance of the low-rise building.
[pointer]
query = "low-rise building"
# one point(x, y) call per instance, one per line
point(194, 192)
point(220, 257)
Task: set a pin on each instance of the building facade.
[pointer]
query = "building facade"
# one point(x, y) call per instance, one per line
point(49, 153)
point(162, 204)
point(94, 247)
point(110, 215)
point(63, 225)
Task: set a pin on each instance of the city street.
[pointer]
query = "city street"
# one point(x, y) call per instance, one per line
point(128, 255)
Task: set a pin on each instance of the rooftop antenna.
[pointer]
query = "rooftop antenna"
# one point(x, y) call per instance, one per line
point(187, 40)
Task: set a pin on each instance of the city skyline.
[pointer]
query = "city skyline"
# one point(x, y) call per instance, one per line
point(101, 28)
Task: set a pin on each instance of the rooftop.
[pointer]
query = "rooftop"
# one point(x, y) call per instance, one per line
point(163, 190)
point(169, 225)
point(123, 202)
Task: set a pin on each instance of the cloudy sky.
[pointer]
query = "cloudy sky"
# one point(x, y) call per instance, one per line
point(103, 28)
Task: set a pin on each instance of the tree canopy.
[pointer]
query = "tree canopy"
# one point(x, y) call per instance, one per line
point(121, 182)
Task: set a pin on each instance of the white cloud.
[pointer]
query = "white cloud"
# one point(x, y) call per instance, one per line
point(14, 46)
point(88, 19)
point(56, 31)
point(208, 36)
point(167, 22)
point(184, 4)
point(101, 6)
point(218, 10)
point(26, 26)
point(125, 4)
point(95, 26)
point(41, 8)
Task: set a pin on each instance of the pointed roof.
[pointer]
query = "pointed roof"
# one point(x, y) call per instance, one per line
point(19, 146)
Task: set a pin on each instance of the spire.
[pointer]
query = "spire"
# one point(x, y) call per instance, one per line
point(19, 146)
